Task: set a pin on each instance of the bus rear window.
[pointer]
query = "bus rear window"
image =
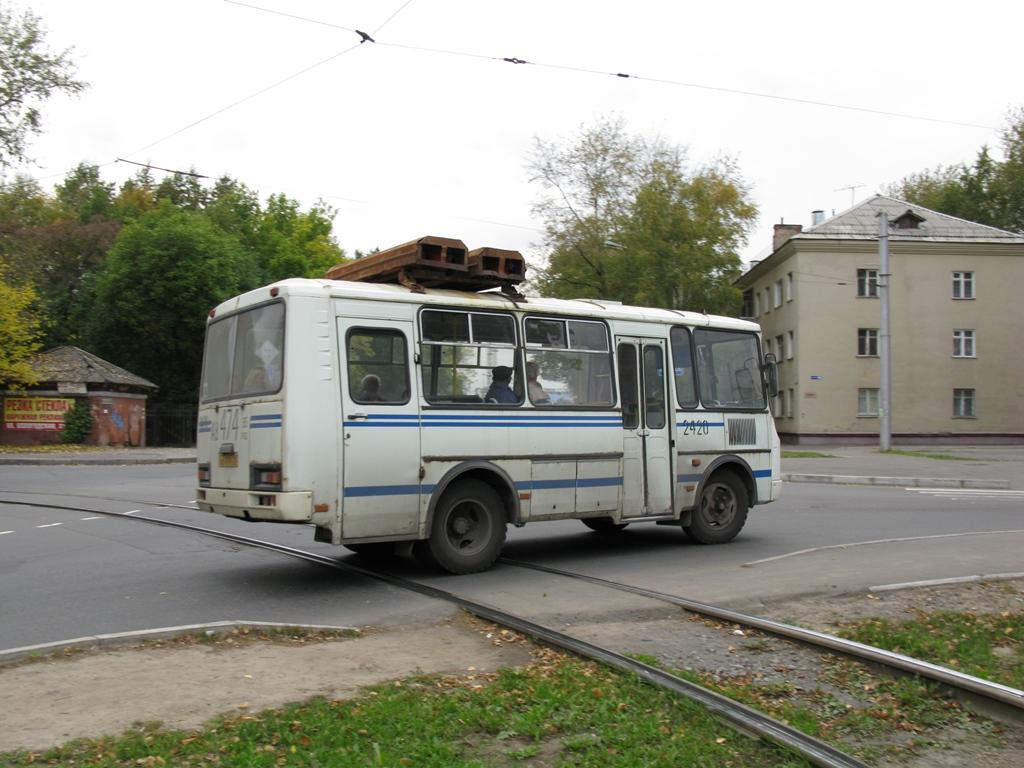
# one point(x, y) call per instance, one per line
point(244, 354)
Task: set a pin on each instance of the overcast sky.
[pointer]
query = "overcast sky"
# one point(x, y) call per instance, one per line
point(407, 142)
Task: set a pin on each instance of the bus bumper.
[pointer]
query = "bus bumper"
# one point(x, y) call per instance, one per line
point(268, 506)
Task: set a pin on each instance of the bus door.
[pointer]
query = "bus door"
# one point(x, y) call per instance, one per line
point(380, 493)
point(647, 434)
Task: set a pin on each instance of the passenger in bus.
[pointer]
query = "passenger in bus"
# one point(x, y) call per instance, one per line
point(500, 390)
point(370, 389)
point(537, 394)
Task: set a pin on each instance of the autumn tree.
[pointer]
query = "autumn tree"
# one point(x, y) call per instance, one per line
point(626, 218)
point(19, 331)
point(29, 74)
point(989, 190)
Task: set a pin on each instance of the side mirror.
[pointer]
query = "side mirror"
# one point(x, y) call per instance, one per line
point(770, 372)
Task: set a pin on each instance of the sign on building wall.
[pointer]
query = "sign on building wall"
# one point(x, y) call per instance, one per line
point(36, 413)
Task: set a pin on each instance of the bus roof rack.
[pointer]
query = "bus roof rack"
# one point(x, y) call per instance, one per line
point(438, 262)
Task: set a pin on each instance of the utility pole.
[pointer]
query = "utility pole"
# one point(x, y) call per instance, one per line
point(884, 350)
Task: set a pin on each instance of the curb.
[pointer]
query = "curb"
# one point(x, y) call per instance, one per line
point(906, 482)
point(57, 461)
point(161, 633)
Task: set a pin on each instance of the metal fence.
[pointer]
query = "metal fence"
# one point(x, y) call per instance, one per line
point(171, 423)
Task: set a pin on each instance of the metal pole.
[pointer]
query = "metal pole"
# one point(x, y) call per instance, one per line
point(884, 350)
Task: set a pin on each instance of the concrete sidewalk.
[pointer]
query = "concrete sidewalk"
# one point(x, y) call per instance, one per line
point(946, 466)
point(91, 455)
point(977, 467)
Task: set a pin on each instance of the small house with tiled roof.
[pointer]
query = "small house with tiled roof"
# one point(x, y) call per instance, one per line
point(956, 326)
point(116, 397)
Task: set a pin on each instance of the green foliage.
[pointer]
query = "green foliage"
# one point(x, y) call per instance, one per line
point(59, 244)
point(627, 219)
point(989, 191)
point(152, 293)
point(77, 422)
point(19, 332)
point(29, 74)
point(568, 713)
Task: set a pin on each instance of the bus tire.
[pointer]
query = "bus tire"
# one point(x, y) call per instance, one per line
point(721, 510)
point(603, 525)
point(468, 531)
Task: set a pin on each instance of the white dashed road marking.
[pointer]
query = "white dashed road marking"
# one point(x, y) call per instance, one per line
point(49, 525)
point(100, 517)
point(3, 532)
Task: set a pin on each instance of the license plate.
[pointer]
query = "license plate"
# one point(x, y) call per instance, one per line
point(227, 460)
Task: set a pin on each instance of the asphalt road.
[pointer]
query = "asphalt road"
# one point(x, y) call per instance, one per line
point(69, 574)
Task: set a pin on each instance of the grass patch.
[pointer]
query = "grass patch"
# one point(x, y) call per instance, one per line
point(806, 455)
point(985, 645)
point(558, 711)
point(926, 455)
point(873, 717)
point(54, 448)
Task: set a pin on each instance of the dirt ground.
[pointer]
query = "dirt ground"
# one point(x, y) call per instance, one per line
point(182, 685)
point(49, 702)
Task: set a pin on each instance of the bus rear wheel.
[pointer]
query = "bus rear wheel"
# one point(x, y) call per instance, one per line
point(468, 531)
point(603, 525)
point(721, 510)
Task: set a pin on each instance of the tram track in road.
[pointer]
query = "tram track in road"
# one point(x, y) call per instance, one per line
point(743, 718)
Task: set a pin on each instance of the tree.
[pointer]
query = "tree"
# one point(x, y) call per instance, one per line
point(29, 74)
point(19, 332)
point(626, 219)
point(989, 191)
point(152, 294)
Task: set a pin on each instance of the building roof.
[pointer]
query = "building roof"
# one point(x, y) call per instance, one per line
point(71, 364)
point(861, 223)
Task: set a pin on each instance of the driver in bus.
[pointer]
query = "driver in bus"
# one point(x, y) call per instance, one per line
point(500, 390)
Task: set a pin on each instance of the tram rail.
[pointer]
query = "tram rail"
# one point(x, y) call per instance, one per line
point(740, 716)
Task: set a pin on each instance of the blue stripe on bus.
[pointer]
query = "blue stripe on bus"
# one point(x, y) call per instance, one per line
point(762, 473)
point(432, 425)
point(527, 417)
point(695, 478)
point(526, 485)
point(691, 424)
point(266, 421)
point(386, 490)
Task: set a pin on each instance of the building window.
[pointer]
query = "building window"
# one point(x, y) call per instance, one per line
point(867, 283)
point(867, 342)
point(778, 294)
point(757, 304)
point(867, 402)
point(963, 404)
point(789, 345)
point(789, 404)
point(963, 343)
point(963, 285)
point(768, 345)
point(779, 345)
point(789, 286)
point(767, 300)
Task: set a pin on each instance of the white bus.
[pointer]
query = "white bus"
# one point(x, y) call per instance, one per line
point(382, 415)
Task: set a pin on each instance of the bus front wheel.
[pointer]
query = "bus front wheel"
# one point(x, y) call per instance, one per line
point(721, 510)
point(468, 531)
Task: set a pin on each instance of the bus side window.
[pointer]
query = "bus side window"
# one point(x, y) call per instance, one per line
point(377, 366)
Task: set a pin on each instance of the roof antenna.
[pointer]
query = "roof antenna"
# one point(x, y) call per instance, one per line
point(853, 189)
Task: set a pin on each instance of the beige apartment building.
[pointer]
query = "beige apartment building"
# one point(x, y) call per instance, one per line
point(957, 326)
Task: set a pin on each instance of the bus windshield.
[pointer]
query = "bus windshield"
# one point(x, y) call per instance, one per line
point(729, 370)
point(244, 354)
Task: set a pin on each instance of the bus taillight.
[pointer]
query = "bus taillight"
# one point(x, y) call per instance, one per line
point(266, 477)
point(203, 473)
